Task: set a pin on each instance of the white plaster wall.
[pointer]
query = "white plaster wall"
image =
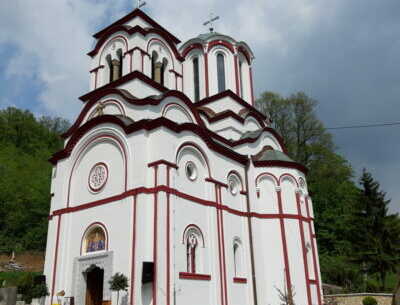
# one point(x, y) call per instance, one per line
point(296, 262)
point(108, 153)
point(267, 203)
point(289, 203)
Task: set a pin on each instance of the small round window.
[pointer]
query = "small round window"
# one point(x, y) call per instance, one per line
point(191, 171)
point(233, 186)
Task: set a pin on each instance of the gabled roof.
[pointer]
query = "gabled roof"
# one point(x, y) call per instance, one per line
point(235, 97)
point(137, 13)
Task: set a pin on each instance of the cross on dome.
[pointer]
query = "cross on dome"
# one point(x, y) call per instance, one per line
point(211, 21)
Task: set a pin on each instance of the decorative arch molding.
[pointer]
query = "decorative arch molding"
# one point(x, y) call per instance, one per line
point(222, 43)
point(130, 32)
point(92, 226)
point(194, 46)
point(212, 117)
point(238, 177)
point(154, 41)
point(93, 99)
point(267, 175)
point(289, 177)
point(109, 41)
point(91, 141)
point(198, 150)
point(245, 53)
point(251, 118)
point(207, 136)
point(186, 231)
point(106, 102)
point(176, 106)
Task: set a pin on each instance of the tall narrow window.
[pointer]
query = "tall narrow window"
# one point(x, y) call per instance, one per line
point(119, 53)
point(237, 257)
point(163, 71)
point(221, 72)
point(196, 79)
point(110, 68)
point(154, 57)
point(241, 78)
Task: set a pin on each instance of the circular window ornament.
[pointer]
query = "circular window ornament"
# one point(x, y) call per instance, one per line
point(191, 171)
point(233, 186)
point(98, 177)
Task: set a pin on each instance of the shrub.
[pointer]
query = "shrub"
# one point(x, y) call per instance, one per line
point(369, 301)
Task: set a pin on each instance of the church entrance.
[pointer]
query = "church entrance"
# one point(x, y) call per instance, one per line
point(94, 286)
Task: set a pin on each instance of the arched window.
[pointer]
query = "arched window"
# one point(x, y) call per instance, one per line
point(237, 257)
point(221, 72)
point(193, 240)
point(95, 239)
point(241, 78)
point(196, 79)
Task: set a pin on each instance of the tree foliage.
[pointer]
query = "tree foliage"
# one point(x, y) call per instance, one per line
point(25, 145)
point(118, 282)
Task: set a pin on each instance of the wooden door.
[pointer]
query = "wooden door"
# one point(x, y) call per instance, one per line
point(94, 286)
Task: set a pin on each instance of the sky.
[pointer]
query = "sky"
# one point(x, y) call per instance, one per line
point(343, 53)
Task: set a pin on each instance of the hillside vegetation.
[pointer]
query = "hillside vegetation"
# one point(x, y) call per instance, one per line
point(25, 145)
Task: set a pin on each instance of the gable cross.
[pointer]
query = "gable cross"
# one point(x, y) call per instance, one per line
point(140, 3)
point(210, 22)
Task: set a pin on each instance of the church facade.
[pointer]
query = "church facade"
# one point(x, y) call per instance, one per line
point(170, 176)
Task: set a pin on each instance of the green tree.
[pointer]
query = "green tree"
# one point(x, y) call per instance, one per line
point(376, 233)
point(118, 282)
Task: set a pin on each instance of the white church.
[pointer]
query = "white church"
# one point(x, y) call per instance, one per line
point(170, 176)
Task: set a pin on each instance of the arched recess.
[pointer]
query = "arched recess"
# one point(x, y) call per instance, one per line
point(108, 106)
point(289, 186)
point(95, 238)
point(229, 69)
point(197, 150)
point(167, 53)
point(238, 259)
point(193, 240)
point(108, 136)
point(234, 178)
point(177, 113)
point(115, 39)
point(266, 188)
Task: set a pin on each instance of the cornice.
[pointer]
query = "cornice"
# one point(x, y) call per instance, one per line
point(134, 101)
point(123, 80)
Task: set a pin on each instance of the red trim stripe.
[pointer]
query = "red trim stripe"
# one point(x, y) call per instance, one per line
point(194, 276)
point(172, 191)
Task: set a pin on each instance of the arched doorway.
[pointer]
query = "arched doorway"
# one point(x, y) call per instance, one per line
point(94, 286)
